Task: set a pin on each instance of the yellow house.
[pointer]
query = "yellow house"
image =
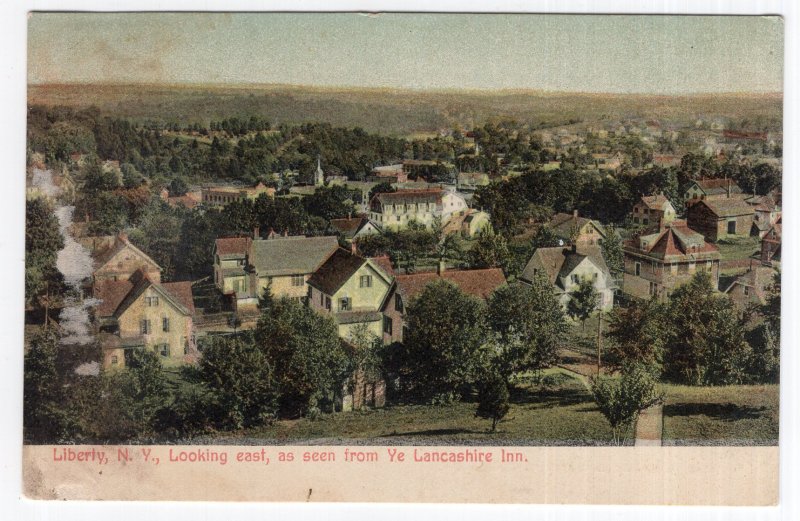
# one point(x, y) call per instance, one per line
point(244, 267)
point(143, 314)
point(352, 289)
point(117, 259)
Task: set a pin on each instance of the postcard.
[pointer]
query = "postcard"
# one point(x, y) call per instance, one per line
point(403, 257)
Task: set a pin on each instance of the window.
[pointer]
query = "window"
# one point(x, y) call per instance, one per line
point(144, 327)
point(327, 303)
point(165, 324)
point(645, 221)
point(298, 280)
point(594, 277)
point(322, 300)
point(574, 279)
point(653, 288)
point(398, 303)
point(365, 281)
point(638, 268)
point(709, 265)
point(746, 291)
point(731, 227)
point(114, 360)
point(151, 301)
point(344, 304)
point(387, 325)
point(163, 350)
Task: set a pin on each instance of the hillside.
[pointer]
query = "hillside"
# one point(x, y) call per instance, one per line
point(398, 112)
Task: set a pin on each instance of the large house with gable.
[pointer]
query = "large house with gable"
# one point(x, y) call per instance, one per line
point(395, 210)
point(710, 189)
point(566, 268)
point(660, 260)
point(244, 268)
point(571, 228)
point(720, 218)
point(650, 209)
point(116, 258)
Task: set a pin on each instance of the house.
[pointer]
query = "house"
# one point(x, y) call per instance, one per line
point(116, 259)
point(474, 223)
point(652, 209)
point(352, 289)
point(479, 283)
point(608, 161)
point(766, 214)
point(565, 268)
point(388, 174)
point(711, 189)
point(352, 228)
point(189, 200)
point(720, 218)
point(658, 263)
point(771, 246)
point(396, 210)
point(222, 195)
point(244, 268)
point(573, 229)
point(751, 288)
point(142, 313)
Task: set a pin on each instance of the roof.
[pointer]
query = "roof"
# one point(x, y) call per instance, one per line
point(675, 240)
point(384, 263)
point(233, 245)
point(728, 207)
point(291, 255)
point(655, 202)
point(335, 271)
point(562, 224)
point(349, 227)
point(478, 283)
point(758, 278)
point(121, 242)
point(357, 317)
point(558, 262)
point(116, 296)
point(717, 186)
point(433, 195)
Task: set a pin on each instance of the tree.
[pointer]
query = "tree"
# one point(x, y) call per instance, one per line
point(529, 323)
point(705, 344)
point(178, 186)
point(43, 240)
point(444, 346)
point(490, 250)
point(492, 398)
point(240, 377)
point(380, 188)
point(583, 302)
point(612, 251)
point(621, 399)
point(43, 411)
point(638, 334)
point(309, 363)
point(765, 338)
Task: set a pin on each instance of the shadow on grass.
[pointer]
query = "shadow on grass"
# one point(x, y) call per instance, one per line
point(720, 411)
point(432, 432)
point(547, 398)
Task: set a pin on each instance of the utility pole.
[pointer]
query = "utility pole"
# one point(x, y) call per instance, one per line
point(599, 338)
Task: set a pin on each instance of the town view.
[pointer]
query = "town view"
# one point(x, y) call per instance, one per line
point(300, 264)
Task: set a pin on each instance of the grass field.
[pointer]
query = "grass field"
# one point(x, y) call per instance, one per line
point(733, 415)
point(560, 413)
point(739, 249)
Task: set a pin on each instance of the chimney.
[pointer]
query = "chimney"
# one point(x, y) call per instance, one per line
point(574, 214)
point(729, 188)
point(441, 268)
point(256, 233)
point(285, 232)
point(353, 247)
point(122, 236)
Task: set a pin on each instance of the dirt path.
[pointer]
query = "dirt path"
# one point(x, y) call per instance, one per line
point(649, 427)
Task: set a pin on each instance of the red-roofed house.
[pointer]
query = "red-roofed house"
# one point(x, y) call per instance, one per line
point(478, 283)
point(651, 209)
point(144, 314)
point(118, 259)
point(657, 263)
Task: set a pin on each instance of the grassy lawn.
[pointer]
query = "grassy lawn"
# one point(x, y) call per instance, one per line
point(561, 412)
point(739, 248)
point(733, 415)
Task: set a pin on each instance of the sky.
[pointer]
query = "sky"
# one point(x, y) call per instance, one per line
point(573, 53)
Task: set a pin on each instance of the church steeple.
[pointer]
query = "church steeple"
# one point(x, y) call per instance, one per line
point(319, 175)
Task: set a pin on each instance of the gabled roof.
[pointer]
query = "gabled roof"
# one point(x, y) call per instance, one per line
point(235, 246)
point(675, 240)
point(338, 269)
point(728, 207)
point(655, 202)
point(562, 224)
point(117, 296)
point(478, 283)
point(349, 227)
point(121, 242)
point(431, 195)
point(758, 279)
point(291, 255)
point(717, 186)
point(558, 262)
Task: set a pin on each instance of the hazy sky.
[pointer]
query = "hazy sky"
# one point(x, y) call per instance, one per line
point(650, 54)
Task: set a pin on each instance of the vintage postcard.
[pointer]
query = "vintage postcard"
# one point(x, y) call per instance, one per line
point(350, 257)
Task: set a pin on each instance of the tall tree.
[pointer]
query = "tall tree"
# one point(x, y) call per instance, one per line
point(492, 398)
point(490, 250)
point(583, 302)
point(621, 399)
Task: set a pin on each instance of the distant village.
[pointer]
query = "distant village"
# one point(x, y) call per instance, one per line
point(709, 224)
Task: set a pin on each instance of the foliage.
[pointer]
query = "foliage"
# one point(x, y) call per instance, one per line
point(490, 250)
point(444, 345)
point(530, 324)
point(706, 344)
point(583, 301)
point(612, 251)
point(44, 418)
point(622, 399)
point(638, 334)
point(309, 363)
point(492, 398)
point(43, 241)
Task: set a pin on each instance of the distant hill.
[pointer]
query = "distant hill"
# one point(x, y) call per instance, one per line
point(397, 112)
